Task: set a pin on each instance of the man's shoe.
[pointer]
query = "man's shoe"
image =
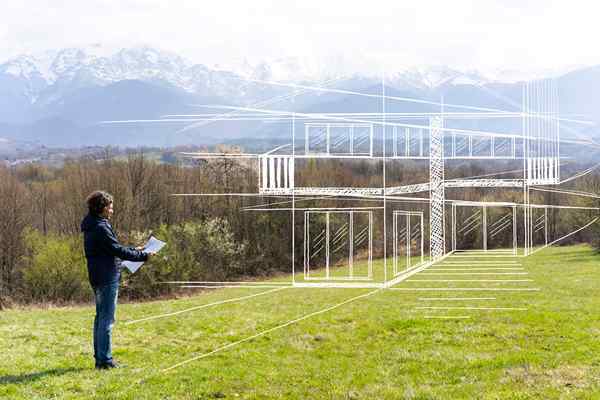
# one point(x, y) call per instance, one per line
point(108, 365)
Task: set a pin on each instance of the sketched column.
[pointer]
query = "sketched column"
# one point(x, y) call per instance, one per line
point(436, 177)
point(541, 144)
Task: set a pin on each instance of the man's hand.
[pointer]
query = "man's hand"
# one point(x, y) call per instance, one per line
point(140, 248)
point(150, 254)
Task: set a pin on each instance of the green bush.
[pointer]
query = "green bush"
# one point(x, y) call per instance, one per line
point(200, 251)
point(54, 268)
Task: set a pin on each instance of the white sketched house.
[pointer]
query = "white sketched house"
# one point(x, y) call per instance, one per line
point(388, 229)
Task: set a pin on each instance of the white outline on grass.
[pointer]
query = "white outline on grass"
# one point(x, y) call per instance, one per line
point(454, 298)
point(467, 289)
point(172, 314)
point(227, 346)
point(473, 308)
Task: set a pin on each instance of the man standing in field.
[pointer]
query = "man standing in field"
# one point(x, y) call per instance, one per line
point(103, 253)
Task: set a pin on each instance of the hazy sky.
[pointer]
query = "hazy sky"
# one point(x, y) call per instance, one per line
point(525, 35)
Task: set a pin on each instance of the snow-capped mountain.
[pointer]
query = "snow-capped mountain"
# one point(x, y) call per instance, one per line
point(42, 81)
point(431, 77)
point(38, 75)
point(73, 68)
point(80, 67)
point(52, 97)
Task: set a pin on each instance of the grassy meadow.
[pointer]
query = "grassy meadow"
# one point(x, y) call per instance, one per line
point(470, 341)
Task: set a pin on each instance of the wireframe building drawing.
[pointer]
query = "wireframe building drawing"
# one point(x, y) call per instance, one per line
point(391, 226)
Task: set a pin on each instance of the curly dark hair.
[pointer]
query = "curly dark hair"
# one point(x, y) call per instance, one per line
point(97, 201)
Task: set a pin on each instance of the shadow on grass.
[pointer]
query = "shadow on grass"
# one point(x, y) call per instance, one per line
point(27, 378)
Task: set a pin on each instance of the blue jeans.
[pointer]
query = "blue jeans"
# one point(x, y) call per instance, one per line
point(106, 306)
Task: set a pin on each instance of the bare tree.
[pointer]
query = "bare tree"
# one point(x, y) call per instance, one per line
point(13, 220)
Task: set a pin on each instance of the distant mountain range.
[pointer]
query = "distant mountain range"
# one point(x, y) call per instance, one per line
point(58, 98)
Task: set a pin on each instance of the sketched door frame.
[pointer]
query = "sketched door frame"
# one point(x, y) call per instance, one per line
point(407, 229)
point(351, 274)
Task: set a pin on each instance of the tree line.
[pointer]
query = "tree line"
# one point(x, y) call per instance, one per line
point(210, 237)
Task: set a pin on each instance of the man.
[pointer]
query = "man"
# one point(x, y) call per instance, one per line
point(104, 254)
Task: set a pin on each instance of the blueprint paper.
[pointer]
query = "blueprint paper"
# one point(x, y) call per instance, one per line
point(153, 245)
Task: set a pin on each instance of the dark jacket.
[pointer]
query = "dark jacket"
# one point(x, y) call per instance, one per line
point(103, 251)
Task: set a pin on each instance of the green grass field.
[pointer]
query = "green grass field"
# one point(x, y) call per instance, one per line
point(382, 346)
